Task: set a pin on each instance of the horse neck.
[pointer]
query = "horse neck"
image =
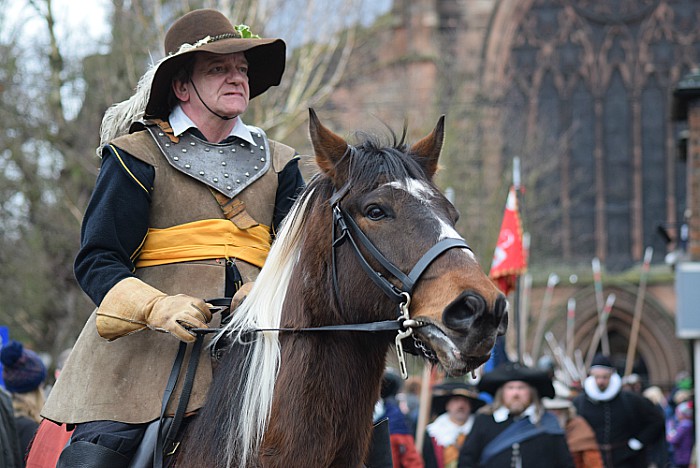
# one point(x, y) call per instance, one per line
point(324, 398)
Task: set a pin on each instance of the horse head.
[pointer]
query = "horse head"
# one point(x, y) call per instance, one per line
point(389, 194)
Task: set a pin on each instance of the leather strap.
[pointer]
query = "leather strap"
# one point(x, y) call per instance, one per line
point(167, 129)
point(234, 210)
point(167, 441)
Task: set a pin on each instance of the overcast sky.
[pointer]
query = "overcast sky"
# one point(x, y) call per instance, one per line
point(79, 24)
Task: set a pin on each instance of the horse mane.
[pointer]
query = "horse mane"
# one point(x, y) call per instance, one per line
point(238, 408)
point(262, 309)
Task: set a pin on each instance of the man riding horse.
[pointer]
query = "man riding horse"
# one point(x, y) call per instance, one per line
point(184, 208)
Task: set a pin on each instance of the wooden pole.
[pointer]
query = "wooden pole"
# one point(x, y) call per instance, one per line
point(602, 326)
point(598, 285)
point(525, 313)
point(634, 335)
point(570, 323)
point(517, 292)
point(426, 390)
point(542, 319)
point(516, 320)
point(565, 364)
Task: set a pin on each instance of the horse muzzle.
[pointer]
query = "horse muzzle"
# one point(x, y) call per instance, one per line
point(467, 334)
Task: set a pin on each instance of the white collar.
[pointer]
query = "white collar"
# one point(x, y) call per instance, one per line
point(180, 122)
point(446, 432)
point(594, 393)
point(501, 414)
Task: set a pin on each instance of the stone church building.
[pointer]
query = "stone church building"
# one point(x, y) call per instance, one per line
point(580, 91)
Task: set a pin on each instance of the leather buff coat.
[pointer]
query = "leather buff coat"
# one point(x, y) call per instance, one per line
point(124, 380)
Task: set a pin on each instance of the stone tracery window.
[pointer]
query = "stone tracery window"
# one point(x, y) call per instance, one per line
point(587, 87)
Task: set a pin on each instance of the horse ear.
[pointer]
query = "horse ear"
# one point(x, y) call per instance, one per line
point(328, 147)
point(428, 149)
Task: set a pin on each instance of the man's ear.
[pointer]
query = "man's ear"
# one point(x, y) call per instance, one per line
point(181, 90)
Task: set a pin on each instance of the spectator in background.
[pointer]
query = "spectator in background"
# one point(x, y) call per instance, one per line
point(515, 431)
point(24, 374)
point(579, 435)
point(680, 435)
point(626, 424)
point(403, 445)
point(50, 438)
point(659, 453)
point(632, 383)
point(10, 456)
point(455, 402)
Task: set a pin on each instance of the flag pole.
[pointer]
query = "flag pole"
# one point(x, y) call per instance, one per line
point(632, 348)
point(516, 293)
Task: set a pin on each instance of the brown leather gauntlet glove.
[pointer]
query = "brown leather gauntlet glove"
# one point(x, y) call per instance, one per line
point(132, 305)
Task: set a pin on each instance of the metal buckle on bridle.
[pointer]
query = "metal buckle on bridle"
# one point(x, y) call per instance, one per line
point(407, 324)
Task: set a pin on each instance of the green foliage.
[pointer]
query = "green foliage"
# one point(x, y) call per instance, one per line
point(245, 32)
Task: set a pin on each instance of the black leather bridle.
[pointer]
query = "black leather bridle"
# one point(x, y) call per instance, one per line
point(346, 229)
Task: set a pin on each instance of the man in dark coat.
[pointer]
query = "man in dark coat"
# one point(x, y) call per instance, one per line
point(516, 431)
point(625, 423)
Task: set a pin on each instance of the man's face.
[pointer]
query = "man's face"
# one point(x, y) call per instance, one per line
point(602, 377)
point(222, 83)
point(517, 396)
point(459, 409)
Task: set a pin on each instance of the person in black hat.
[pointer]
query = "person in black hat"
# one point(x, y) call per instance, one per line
point(24, 373)
point(455, 402)
point(625, 423)
point(516, 431)
point(184, 209)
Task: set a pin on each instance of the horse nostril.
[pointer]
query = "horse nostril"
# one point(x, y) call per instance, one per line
point(461, 314)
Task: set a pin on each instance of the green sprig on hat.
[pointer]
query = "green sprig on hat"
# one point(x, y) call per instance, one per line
point(245, 32)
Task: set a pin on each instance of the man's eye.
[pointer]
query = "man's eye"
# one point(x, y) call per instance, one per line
point(243, 70)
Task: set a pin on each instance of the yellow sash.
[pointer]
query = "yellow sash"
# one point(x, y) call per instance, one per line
point(206, 239)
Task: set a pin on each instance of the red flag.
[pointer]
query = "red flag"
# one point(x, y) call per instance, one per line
point(509, 257)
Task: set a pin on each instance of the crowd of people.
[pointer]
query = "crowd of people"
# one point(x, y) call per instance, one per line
point(513, 416)
point(517, 416)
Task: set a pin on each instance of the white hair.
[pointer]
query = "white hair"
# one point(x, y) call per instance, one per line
point(262, 309)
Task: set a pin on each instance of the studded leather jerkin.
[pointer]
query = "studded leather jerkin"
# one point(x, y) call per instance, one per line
point(227, 168)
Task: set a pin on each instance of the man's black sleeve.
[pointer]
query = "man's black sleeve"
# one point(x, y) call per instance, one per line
point(290, 185)
point(115, 223)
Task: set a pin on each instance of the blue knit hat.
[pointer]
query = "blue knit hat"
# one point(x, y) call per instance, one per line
point(23, 371)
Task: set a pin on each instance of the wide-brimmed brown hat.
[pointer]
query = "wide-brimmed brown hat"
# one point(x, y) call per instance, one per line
point(507, 372)
point(442, 393)
point(209, 30)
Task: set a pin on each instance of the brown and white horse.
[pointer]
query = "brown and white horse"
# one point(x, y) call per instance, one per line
point(288, 399)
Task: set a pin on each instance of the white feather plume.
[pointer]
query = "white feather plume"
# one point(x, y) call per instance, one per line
point(119, 117)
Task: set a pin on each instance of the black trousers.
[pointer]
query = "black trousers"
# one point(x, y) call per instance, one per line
point(120, 437)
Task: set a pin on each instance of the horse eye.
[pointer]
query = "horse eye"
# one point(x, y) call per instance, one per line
point(374, 212)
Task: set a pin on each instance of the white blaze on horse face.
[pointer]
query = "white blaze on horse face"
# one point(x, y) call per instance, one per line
point(418, 188)
point(425, 195)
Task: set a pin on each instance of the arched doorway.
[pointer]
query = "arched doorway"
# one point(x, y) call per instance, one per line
point(660, 355)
